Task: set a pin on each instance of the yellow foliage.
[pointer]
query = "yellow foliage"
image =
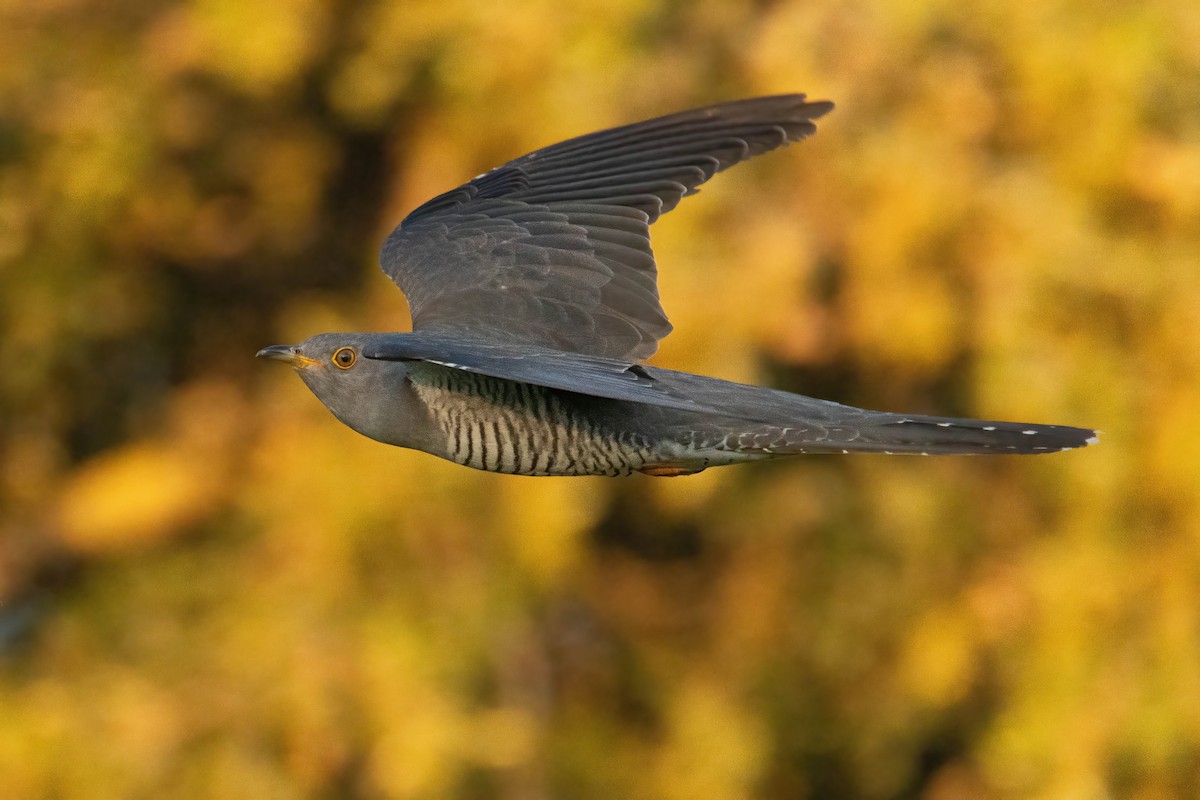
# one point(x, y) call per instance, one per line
point(211, 588)
point(255, 45)
point(135, 495)
point(713, 749)
point(938, 662)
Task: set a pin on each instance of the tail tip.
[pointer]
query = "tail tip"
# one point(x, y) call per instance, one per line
point(1087, 442)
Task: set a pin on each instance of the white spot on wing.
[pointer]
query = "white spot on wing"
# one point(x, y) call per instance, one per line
point(943, 424)
point(989, 427)
point(1029, 433)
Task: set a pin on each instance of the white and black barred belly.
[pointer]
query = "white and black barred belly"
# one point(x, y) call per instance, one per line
point(517, 428)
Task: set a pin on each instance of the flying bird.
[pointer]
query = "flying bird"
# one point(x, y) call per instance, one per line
point(534, 300)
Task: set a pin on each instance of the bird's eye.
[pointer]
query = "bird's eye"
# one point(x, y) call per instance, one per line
point(345, 357)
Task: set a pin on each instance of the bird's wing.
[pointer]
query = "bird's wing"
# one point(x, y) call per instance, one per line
point(553, 248)
point(581, 373)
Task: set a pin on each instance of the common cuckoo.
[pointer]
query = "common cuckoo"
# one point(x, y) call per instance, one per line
point(534, 300)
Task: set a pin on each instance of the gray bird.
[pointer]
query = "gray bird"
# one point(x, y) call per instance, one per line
point(533, 295)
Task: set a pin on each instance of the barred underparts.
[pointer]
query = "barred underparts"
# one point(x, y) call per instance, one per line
point(521, 429)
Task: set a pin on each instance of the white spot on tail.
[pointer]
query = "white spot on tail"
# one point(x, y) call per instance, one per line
point(1029, 433)
point(989, 427)
point(943, 424)
point(1092, 440)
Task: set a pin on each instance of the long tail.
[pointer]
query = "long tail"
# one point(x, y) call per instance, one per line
point(755, 419)
point(877, 432)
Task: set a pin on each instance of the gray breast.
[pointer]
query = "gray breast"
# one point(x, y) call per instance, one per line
point(517, 428)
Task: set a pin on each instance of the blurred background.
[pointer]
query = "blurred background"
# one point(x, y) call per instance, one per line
point(210, 588)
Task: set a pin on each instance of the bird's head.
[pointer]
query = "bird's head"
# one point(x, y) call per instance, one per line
point(367, 394)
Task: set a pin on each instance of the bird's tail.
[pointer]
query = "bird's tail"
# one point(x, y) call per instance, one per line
point(917, 435)
point(757, 421)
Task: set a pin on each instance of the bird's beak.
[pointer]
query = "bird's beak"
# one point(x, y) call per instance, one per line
point(287, 353)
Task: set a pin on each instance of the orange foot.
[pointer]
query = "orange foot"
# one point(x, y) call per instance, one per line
point(670, 470)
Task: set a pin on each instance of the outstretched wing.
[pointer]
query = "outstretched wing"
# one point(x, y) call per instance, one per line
point(553, 248)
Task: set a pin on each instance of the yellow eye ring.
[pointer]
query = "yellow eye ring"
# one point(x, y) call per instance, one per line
point(344, 358)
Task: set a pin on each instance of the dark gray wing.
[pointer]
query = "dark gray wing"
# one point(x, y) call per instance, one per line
point(553, 249)
point(528, 363)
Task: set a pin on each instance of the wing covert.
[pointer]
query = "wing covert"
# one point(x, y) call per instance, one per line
point(581, 373)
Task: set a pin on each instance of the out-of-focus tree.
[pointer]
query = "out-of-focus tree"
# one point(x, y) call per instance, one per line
point(209, 588)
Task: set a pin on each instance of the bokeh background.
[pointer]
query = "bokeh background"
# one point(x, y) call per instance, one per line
point(209, 588)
